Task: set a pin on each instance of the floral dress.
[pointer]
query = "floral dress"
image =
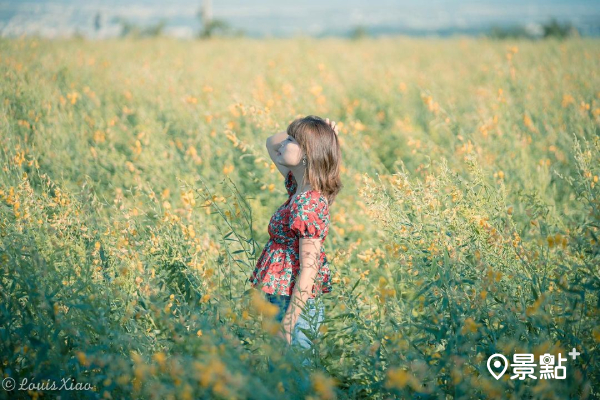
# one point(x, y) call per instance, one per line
point(307, 216)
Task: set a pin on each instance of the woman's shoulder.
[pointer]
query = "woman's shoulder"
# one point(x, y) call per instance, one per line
point(309, 215)
point(319, 197)
point(311, 200)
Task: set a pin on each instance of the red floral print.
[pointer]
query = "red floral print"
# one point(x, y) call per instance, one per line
point(307, 216)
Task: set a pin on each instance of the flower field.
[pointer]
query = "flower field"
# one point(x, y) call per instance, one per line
point(136, 189)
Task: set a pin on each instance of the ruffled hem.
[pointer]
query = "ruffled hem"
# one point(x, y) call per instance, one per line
point(267, 291)
point(264, 269)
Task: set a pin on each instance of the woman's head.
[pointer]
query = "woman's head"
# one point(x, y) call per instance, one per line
point(321, 150)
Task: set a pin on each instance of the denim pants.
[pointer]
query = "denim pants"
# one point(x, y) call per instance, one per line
point(309, 320)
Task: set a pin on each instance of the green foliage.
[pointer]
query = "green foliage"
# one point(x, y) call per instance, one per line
point(359, 32)
point(558, 30)
point(130, 29)
point(547, 30)
point(135, 192)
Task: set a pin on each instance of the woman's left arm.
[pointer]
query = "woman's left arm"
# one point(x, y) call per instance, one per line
point(310, 250)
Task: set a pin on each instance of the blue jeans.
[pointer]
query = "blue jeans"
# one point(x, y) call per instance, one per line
point(309, 321)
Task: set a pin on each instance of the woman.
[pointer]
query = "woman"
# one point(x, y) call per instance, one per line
point(292, 269)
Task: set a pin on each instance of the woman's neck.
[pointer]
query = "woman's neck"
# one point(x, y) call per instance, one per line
point(303, 189)
point(300, 174)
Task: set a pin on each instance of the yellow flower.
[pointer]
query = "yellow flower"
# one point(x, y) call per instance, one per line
point(596, 334)
point(567, 99)
point(73, 97)
point(263, 306)
point(188, 198)
point(82, 358)
point(160, 358)
point(397, 378)
point(99, 136)
point(316, 90)
point(384, 292)
point(470, 326)
point(323, 385)
point(228, 169)
point(529, 123)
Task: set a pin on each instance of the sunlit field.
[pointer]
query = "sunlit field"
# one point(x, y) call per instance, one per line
point(136, 189)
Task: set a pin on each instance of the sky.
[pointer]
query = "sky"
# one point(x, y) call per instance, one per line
point(284, 18)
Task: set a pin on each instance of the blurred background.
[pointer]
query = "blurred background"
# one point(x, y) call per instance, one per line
point(270, 18)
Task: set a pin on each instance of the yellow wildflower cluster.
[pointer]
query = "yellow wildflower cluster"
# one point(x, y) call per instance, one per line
point(191, 100)
point(73, 96)
point(371, 255)
point(188, 199)
point(501, 98)
point(470, 326)
point(141, 370)
point(351, 105)
point(492, 276)
point(528, 122)
point(533, 309)
point(228, 169)
point(83, 360)
point(511, 52)
point(89, 93)
point(567, 100)
point(188, 231)
point(24, 123)
point(99, 136)
point(490, 126)
point(431, 105)
point(500, 175)
point(262, 306)
point(193, 154)
point(466, 149)
point(384, 291)
point(214, 374)
point(316, 91)
point(557, 240)
point(398, 378)
point(324, 385)
point(596, 334)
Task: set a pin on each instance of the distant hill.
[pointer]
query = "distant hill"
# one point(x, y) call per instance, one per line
point(262, 18)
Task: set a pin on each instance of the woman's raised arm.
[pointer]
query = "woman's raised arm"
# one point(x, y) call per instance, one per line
point(273, 143)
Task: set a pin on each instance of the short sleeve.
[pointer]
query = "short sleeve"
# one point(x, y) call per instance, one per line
point(290, 183)
point(309, 216)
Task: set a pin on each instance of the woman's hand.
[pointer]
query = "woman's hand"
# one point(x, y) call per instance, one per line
point(332, 125)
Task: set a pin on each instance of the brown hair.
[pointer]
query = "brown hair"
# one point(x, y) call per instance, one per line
point(323, 154)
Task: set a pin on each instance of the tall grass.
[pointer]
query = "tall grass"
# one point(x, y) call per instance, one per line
point(135, 193)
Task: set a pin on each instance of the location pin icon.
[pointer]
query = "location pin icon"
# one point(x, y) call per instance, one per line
point(497, 365)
